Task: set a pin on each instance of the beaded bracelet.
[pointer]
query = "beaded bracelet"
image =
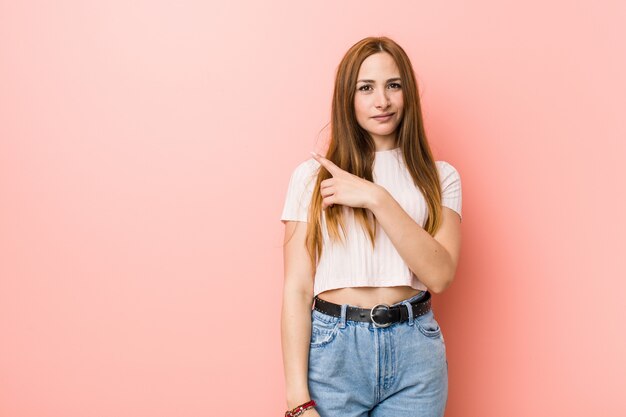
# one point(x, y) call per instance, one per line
point(300, 409)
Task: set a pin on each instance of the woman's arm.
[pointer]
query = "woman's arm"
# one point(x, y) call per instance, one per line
point(432, 259)
point(296, 313)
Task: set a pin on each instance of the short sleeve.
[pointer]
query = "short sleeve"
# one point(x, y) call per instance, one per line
point(300, 191)
point(451, 195)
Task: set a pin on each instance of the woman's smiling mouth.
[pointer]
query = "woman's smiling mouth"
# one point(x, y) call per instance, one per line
point(383, 117)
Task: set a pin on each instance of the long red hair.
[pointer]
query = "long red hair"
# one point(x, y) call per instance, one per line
point(352, 148)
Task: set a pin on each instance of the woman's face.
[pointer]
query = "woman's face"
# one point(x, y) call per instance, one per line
point(379, 92)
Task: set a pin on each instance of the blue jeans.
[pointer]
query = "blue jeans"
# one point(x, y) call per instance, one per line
point(358, 370)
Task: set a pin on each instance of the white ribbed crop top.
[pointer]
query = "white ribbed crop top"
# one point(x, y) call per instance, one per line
point(356, 264)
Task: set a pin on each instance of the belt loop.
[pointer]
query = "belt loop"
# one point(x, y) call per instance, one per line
point(409, 307)
point(342, 319)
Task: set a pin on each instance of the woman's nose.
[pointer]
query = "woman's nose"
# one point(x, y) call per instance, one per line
point(382, 101)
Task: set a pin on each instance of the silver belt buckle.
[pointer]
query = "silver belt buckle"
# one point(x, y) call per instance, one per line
point(372, 316)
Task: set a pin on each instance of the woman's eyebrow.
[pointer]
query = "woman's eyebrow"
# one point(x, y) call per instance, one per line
point(371, 81)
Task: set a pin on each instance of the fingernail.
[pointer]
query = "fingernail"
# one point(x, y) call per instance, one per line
point(314, 154)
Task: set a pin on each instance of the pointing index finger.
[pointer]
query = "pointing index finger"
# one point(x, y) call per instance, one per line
point(329, 165)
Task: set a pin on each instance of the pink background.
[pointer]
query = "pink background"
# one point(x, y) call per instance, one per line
point(145, 150)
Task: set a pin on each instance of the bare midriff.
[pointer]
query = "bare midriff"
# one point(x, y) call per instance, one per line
point(368, 297)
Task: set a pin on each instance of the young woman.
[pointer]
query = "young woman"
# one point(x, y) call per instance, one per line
point(371, 230)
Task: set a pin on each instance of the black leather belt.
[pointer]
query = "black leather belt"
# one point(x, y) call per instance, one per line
point(381, 315)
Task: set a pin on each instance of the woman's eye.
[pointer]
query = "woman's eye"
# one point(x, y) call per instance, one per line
point(392, 85)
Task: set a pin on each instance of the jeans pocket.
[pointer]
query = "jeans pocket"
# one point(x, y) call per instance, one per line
point(323, 329)
point(428, 325)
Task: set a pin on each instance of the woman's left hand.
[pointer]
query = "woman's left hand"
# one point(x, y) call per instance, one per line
point(345, 188)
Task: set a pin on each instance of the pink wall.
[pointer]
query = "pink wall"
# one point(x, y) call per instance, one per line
point(137, 138)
